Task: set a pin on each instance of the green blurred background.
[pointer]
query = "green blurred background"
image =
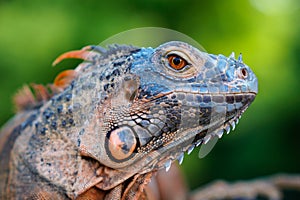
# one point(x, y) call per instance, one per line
point(266, 141)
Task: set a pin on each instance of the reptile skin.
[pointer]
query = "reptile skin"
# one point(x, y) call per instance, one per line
point(125, 113)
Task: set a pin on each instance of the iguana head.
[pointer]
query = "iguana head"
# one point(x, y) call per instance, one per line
point(138, 109)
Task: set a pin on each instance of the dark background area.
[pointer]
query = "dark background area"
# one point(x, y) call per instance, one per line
point(267, 139)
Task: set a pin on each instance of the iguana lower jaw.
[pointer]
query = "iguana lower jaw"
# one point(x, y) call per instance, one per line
point(188, 140)
point(172, 146)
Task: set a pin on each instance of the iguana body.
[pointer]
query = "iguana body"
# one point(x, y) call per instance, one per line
point(120, 116)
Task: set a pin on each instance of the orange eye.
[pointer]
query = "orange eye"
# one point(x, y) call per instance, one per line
point(176, 62)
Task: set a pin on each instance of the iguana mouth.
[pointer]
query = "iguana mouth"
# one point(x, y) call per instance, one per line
point(186, 141)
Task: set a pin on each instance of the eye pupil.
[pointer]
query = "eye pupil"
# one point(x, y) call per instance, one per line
point(176, 60)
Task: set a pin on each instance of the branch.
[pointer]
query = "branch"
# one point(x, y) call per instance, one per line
point(269, 187)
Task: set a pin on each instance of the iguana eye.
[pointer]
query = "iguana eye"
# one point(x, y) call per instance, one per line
point(176, 62)
point(121, 144)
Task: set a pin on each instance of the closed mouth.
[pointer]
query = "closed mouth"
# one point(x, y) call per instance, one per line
point(188, 140)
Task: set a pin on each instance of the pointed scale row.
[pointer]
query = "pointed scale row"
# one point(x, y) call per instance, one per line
point(219, 133)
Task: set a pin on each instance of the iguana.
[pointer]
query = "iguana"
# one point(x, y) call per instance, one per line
point(102, 130)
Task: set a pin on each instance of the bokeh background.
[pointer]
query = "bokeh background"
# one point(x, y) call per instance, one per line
point(267, 32)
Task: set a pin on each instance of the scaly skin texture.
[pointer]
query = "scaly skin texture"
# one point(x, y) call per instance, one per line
point(124, 114)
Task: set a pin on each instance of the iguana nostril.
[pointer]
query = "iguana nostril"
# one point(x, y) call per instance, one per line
point(243, 73)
